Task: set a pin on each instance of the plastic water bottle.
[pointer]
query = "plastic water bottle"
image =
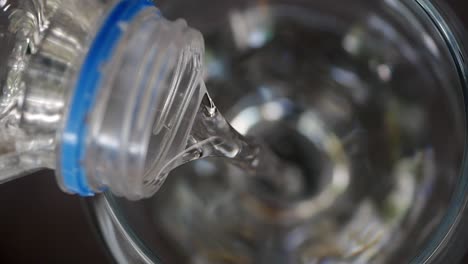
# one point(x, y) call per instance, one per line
point(91, 88)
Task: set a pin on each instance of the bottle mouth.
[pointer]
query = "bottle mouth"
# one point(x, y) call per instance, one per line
point(86, 93)
point(179, 99)
point(128, 74)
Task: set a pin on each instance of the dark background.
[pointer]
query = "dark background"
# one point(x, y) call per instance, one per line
point(40, 224)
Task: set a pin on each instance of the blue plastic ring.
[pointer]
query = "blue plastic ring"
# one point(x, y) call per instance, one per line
point(73, 145)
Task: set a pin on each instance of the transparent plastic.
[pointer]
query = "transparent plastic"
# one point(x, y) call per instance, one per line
point(146, 107)
point(146, 100)
point(22, 27)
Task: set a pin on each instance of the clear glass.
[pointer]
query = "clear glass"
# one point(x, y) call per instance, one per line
point(367, 97)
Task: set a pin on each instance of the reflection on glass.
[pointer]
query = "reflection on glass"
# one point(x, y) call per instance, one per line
point(363, 97)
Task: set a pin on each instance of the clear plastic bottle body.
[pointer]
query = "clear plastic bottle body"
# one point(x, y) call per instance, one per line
point(21, 29)
point(34, 44)
point(48, 45)
point(43, 42)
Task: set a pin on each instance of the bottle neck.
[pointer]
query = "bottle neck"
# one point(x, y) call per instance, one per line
point(105, 106)
point(139, 71)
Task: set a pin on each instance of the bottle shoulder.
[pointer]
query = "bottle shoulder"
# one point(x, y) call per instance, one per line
point(42, 44)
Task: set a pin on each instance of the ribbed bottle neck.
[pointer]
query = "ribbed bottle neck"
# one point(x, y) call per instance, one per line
point(142, 74)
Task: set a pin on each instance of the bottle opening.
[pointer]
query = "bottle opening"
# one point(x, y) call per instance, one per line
point(73, 148)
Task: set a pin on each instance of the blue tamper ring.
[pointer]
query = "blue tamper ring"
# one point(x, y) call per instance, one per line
point(73, 147)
